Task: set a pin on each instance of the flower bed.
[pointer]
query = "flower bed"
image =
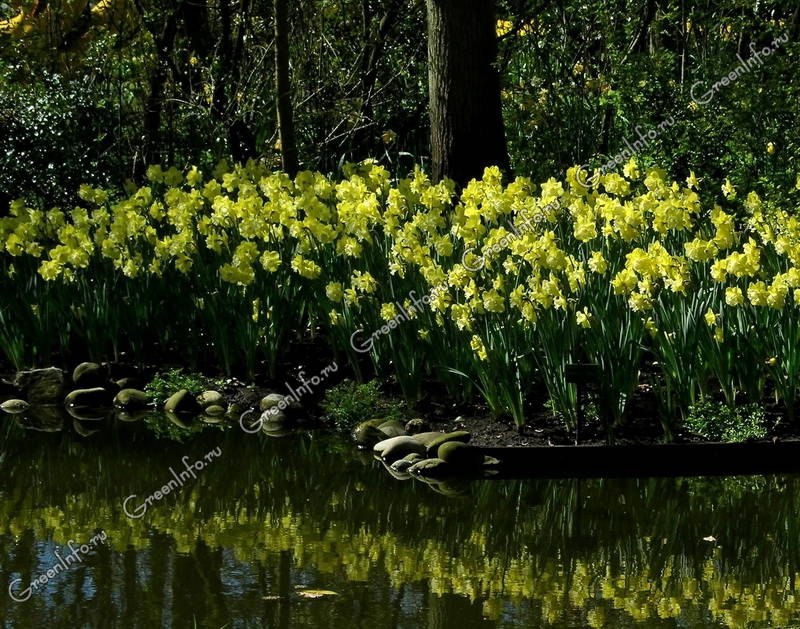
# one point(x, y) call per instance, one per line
point(494, 290)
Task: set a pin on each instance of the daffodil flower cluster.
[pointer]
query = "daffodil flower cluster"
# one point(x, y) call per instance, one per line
point(340, 253)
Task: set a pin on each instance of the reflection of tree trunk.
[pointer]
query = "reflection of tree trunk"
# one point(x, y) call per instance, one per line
point(283, 89)
point(161, 576)
point(158, 79)
point(207, 570)
point(103, 576)
point(130, 589)
point(467, 131)
point(284, 588)
point(446, 610)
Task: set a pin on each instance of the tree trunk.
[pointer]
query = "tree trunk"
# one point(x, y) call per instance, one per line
point(283, 89)
point(164, 43)
point(467, 131)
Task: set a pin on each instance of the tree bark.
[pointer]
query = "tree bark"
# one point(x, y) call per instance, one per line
point(467, 131)
point(283, 89)
point(164, 43)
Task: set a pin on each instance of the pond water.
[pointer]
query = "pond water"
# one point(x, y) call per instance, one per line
point(245, 541)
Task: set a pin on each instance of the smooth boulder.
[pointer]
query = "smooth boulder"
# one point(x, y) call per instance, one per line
point(426, 438)
point(89, 376)
point(274, 419)
point(182, 402)
point(282, 402)
point(95, 397)
point(460, 455)
point(402, 465)
point(417, 426)
point(210, 398)
point(431, 468)
point(14, 407)
point(131, 399)
point(394, 448)
point(458, 435)
point(392, 428)
point(41, 386)
point(367, 434)
point(129, 383)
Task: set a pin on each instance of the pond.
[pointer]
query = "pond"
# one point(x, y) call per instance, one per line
point(261, 525)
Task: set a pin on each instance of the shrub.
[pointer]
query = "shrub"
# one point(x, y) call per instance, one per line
point(167, 383)
point(718, 422)
point(348, 404)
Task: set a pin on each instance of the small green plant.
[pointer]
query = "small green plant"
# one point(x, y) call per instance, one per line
point(590, 413)
point(719, 422)
point(167, 383)
point(348, 404)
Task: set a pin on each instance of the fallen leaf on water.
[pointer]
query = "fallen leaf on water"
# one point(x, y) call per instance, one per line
point(316, 593)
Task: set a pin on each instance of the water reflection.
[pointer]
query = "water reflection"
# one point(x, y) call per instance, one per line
point(270, 517)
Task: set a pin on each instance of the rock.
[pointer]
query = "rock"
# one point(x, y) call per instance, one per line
point(177, 420)
point(460, 454)
point(7, 388)
point(131, 399)
point(395, 448)
point(274, 419)
point(282, 402)
point(458, 435)
point(210, 398)
point(394, 473)
point(392, 428)
point(14, 407)
point(41, 386)
point(417, 426)
point(82, 430)
point(130, 416)
point(88, 414)
point(431, 468)
point(89, 376)
point(448, 486)
point(129, 383)
point(44, 418)
point(402, 465)
point(215, 410)
point(182, 402)
point(427, 437)
point(96, 397)
point(367, 435)
point(276, 432)
point(379, 447)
